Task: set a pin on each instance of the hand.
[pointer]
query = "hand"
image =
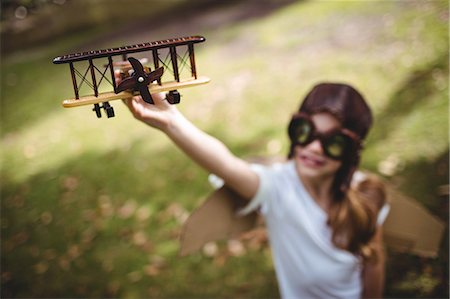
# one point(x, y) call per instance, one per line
point(158, 115)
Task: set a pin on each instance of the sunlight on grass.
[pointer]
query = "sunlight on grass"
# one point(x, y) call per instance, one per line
point(63, 136)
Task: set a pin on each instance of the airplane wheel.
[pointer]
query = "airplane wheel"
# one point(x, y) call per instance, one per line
point(110, 112)
point(97, 110)
point(173, 97)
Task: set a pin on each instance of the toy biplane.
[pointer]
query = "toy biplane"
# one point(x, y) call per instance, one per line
point(169, 59)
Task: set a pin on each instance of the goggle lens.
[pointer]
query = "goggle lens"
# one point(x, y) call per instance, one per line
point(303, 131)
point(335, 145)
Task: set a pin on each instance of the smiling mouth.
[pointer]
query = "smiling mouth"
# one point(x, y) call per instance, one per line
point(311, 161)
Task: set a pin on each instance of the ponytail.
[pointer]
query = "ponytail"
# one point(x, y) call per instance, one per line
point(353, 219)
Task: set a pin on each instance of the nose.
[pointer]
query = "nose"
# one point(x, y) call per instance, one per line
point(315, 146)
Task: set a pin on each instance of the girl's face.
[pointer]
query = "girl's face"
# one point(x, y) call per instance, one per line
point(310, 159)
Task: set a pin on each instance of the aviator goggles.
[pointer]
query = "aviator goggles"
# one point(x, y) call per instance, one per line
point(337, 144)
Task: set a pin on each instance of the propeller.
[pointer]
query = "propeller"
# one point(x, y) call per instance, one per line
point(140, 80)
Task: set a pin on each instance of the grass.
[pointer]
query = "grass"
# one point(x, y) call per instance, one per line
point(93, 208)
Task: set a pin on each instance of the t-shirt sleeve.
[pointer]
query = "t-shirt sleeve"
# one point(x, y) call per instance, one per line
point(263, 194)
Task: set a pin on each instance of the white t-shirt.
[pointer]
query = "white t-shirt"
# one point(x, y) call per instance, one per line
point(307, 263)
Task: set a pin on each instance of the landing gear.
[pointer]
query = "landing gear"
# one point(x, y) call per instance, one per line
point(108, 109)
point(173, 97)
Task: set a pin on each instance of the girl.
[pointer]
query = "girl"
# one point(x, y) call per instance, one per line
point(325, 236)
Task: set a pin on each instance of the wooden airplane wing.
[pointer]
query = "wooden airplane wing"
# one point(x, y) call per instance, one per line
point(153, 88)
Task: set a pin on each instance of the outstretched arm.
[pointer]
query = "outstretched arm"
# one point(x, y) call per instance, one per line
point(207, 151)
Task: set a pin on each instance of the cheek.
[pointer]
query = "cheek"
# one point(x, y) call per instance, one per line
point(298, 150)
point(334, 165)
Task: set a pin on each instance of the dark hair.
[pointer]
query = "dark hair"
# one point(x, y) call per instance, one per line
point(349, 107)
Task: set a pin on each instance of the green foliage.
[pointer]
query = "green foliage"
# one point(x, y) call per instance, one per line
point(93, 208)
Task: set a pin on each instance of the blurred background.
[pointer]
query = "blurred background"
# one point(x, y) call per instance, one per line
point(93, 208)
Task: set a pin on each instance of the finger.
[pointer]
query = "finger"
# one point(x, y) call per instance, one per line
point(117, 77)
point(137, 107)
point(133, 102)
point(127, 102)
point(159, 98)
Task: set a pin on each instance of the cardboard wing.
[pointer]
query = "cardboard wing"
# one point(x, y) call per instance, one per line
point(409, 227)
point(215, 220)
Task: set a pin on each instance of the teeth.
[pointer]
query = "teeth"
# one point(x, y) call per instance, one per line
point(313, 160)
